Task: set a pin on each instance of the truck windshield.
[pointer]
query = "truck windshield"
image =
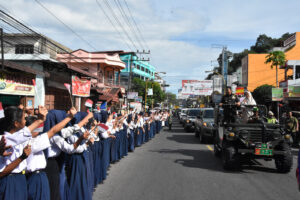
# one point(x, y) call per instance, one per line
point(194, 112)
point(208, 114)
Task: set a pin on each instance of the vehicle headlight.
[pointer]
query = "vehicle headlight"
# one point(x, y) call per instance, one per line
point(204, 124)
point(287, 136)
point(187, 121)
point(231, 134)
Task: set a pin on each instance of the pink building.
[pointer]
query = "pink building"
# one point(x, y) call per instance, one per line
point(105, 65)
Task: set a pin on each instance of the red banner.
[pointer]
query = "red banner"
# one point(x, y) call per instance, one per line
point(81, 87)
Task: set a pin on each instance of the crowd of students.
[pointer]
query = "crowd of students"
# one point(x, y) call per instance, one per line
point(64, 155)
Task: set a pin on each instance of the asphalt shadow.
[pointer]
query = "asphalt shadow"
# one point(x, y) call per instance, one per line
point(183, 138)
point(202, 159)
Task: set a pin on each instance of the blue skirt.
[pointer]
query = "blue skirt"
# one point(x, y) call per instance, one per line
point(77, 177)
point(97, 162)
point(131, 140)
point(38, 186)
point(147, 136)
point(113, 149)
point(125, 146)
point(154, 129)
point(90, 168)
point(143, 136)
point(13, 186)
point(106, 153)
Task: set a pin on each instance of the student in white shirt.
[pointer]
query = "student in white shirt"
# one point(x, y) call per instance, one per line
point(12, 167)
point(55, 169)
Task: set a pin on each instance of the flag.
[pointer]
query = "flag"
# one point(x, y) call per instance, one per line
point(88, 103)
point(102, 127)
point(1, 111)
point(68, 86)
point(39, 129)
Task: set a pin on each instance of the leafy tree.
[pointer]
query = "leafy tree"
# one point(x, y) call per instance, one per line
point(263, 44)
point(276, 58)
point(171, 98)
point(263, 94)
point(139, 86)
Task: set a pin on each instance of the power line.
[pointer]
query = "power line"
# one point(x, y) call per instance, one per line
point(68, 27)
point(141, 35)
point(112, 23)
point(27, 31)
point(126, 19)
point(119, 23)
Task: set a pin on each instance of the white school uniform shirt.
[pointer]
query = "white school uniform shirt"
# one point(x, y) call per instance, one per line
point(141, 122)
point(104, 135)
point(59, 144)
point(18, 137)
point(38, 144)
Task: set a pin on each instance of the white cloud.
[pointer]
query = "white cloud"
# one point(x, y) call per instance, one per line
point(161, 22)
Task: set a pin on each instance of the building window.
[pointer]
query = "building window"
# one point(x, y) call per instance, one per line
point(143, 69)
point(24, 49)
point(138, 67)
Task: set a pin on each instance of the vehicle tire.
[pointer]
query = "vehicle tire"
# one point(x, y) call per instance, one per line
point(196, 132)
point(284, 162)
point(186, 128)
point(217, 151)
point(230, 157)
point(202, 137)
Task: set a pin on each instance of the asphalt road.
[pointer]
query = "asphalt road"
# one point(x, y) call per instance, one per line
point(174, 165)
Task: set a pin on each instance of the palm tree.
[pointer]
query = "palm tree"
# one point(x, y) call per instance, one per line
point(276, 58)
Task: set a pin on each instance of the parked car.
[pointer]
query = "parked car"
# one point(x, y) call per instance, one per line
point(182, 115)
point(189, 121)
point(204, 125)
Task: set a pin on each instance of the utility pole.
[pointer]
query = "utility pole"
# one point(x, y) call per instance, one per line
point(225, 64)
point(2, 49)
point(152, 95)
point(146, 94)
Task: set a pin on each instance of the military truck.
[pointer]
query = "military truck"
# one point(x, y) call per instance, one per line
point(243, 138)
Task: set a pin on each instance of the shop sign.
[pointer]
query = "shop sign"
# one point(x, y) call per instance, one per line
point(132, 95)
point(137, 106)
point(277, 94)
point(294, 91)
point(150, 92)
point(15, 84)
point(81, 87)
point(139, 99)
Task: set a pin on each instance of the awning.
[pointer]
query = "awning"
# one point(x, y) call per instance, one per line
point(23, 68)
point(82, 71)
point(110, 94)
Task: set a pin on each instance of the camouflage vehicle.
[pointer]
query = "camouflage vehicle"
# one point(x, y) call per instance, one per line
point(245, 138)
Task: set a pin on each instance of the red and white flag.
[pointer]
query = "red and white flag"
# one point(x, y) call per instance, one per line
point(68, 86)
point(1, 111)
point(39, 129)
point(102, 127)
point(88, 103)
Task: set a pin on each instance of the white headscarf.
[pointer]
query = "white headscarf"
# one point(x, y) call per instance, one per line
point(250, 100)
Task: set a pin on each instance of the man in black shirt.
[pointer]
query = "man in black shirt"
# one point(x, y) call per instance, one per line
point(229, 102)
